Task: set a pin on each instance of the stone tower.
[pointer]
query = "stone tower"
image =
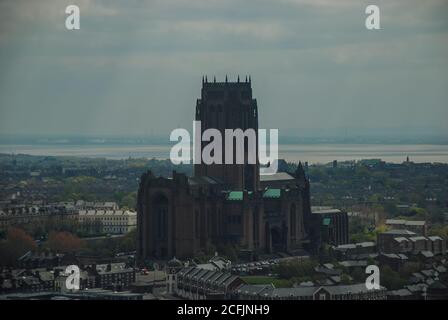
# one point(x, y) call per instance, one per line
point(223, 203)
point(229, 105)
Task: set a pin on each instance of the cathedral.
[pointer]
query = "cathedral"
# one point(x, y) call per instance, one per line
point(223, 203)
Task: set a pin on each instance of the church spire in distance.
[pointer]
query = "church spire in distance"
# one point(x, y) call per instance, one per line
point(300, 173)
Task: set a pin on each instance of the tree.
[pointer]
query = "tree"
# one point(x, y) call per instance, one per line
point(229, 252)
point(390, 279)
point(129, 201)
point(295, 269)
point(358, 274)
point(129, 242)
point(345, 279)
point(108, 247)
point(437, 216)
point(63, 242)
point(17, 243)
point(411, 267)
point(391, 209)
point(439, 230)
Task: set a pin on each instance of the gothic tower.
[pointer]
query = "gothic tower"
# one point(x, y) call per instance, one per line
point(229, 105)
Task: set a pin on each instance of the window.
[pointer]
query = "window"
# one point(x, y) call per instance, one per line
point(197, 223)
point(292, 221)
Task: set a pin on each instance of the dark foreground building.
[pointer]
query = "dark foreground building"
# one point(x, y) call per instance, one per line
point(223, 203)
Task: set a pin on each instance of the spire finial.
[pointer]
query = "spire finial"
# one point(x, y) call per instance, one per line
point(206, 79)
point(246, 77)
point(238, 78)
point(226, 78)
point(300, 173)
point(249, 79)
point(214, 79)
point(202, 79)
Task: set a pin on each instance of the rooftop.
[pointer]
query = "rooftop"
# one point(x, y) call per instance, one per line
point(272, 193)
point(107, 213)
point(324, 210)
point(399, 232)
point(405, 222)
point(276, 177)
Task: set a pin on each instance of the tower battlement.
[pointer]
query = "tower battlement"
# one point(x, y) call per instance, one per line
point(246, 80)
point(226, 90)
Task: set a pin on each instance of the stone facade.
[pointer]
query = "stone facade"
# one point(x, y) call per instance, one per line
point(221, 204)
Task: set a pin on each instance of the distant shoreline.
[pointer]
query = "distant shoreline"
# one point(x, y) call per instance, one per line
point(311, 153)
point(163, 140)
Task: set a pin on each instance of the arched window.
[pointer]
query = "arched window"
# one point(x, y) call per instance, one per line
point(292, 220)
point(160, 203)
point(255, 226)
point(197, 223)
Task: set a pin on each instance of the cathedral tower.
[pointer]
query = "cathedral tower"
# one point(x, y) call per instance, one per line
point(229, 105)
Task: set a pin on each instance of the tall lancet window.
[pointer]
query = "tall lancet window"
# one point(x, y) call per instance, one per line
point(293, 220)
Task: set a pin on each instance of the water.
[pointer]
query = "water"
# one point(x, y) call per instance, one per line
point(313, 153)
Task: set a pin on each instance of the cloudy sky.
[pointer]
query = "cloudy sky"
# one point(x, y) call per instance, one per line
point(135, 67)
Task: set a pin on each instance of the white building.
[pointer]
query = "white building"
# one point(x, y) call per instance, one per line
point(108, 221)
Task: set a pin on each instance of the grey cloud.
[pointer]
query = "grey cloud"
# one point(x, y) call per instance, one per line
point(135, 66)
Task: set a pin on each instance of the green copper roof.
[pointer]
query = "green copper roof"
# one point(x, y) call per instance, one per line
point(326, 221)
point(272, 193)
point(235, 195)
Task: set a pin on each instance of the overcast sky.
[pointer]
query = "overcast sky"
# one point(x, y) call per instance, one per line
point(135, 67)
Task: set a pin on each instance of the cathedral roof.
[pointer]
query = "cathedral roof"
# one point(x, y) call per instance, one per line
point(203, 181)
point(276, 177)
point(235, 196)
point(272, 193)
